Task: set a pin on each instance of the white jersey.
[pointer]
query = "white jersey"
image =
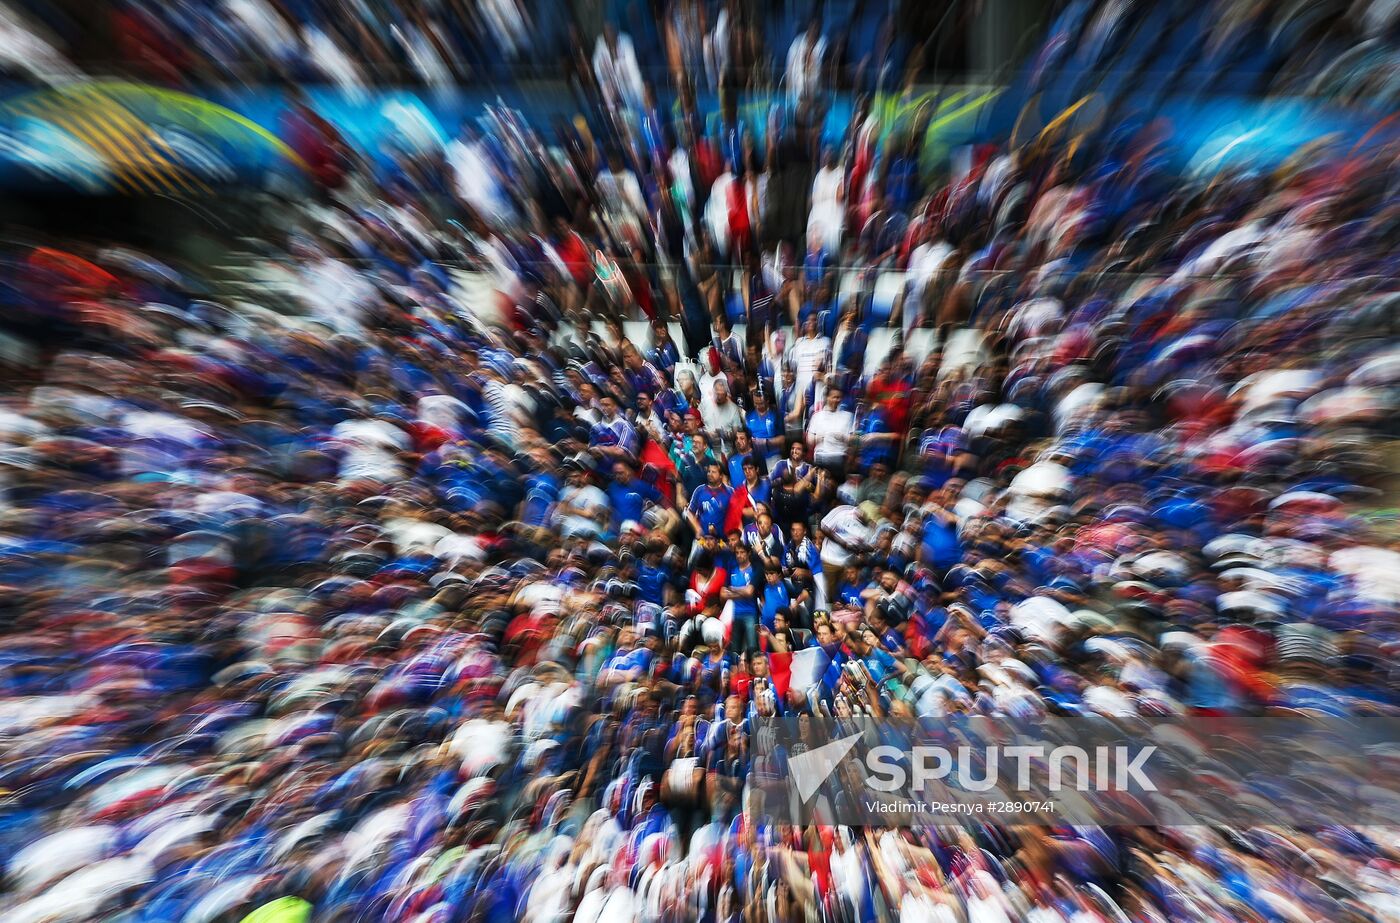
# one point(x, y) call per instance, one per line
point(372, 450)
point(807, 355)
point(829, 432)
point(843, 523)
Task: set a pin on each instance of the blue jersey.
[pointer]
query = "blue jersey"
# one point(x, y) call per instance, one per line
point(775, 596)
point(637, 659)
point(630, 499)
point(614, 433)
point(815, 266)
point(710, 505)
point(652, 581)
point(664, 356)
point(736, 469)
point(940, 544)
point(541, 491)
point(803, 554)
point(763, 427)
point(874, 450)
point(739, 578)
point(762, 492)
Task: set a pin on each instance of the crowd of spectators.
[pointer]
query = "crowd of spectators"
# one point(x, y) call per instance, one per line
point(699, 44)
point(426, 606)
point(1338, 50)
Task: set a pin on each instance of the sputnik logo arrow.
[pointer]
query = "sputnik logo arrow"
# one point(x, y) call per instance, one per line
point(811, 769)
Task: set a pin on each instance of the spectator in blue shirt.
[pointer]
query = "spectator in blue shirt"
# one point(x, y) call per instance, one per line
point(758, 488)
point(710, 502)
point(765, 428)
point(654, 576)
point(743, 451)
point(940, 548)
point(816, 263)
point(877, 444)
point(865, 647)
point(776, 595)
point(742, 594)
point(691, 455)
point(613, 437)
point(628, 495)
point(819, 303)
point(629, 661)
point(803, 565)
point(663, 354)
point(824, 636)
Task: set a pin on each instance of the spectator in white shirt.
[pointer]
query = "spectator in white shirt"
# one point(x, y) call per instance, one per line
point(582, 509)
point(616, 69)
point(804, 62)
point(827, 216)
point(924, 263)
point(810, 353)
point(846, 535)
point(475, 177)
point(722, 416)
point(372, 450)
point(621, 197)
point(829, 433)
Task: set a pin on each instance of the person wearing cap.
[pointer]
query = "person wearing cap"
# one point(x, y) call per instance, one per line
point(693, 424)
